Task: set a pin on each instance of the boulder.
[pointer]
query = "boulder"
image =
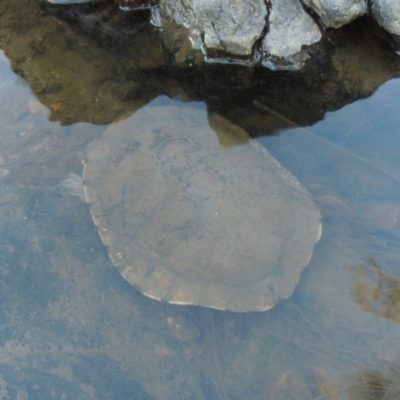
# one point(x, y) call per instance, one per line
point(276, 33)
point(290, 27)
point(336, 13)
point(387, 14)
point(219, 26)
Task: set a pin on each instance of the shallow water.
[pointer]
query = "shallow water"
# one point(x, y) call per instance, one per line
point(71, 327)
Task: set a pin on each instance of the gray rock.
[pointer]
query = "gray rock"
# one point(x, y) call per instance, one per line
point(230, 26)
point(230, 29)
point(336, 13)
point(387, 14)
point(290, 27)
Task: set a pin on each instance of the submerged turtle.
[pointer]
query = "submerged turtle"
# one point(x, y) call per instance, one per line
point(189, 220)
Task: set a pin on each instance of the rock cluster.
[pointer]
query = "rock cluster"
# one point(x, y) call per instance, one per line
point(276, 33)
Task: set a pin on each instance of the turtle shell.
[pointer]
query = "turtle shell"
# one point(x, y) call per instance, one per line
point(192, 217)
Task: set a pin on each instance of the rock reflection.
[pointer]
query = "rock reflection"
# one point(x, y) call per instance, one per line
point(115, 62)
point(377, 291)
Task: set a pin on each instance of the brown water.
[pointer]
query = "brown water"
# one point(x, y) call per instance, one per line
point(71, 327)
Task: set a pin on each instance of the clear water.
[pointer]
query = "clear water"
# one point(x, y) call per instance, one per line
point(72, 328)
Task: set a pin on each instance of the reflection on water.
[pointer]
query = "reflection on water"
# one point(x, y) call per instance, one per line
point(72, 328)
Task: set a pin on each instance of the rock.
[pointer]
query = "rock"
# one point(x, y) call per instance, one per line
point(271, 32)
point(387, 14)
point(336, 13)
point(290, 27)
point(219, 26)
point(230, 35)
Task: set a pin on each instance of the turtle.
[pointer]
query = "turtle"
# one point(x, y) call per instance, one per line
point(192, 217)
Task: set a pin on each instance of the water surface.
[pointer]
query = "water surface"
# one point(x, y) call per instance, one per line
point(71, 327)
